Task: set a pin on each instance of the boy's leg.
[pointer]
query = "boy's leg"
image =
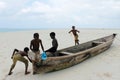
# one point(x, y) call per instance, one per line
point(25, 61)
point(76, 40)
point(37, 56)
point(49, 54)
point(13, 65)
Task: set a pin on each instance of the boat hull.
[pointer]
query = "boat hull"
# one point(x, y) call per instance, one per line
point(61, 62)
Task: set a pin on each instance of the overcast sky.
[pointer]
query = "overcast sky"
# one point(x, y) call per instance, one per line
point(59, 13)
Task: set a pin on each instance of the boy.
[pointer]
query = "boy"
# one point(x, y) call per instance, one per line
point(74, 31)
point(53, 49)
point(35, 44)
point(19, 56)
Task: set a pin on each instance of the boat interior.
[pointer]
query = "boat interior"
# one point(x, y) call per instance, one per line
point(81, 47)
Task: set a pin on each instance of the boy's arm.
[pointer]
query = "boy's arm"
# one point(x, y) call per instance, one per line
point(31, 45)
point(15, 50)
point(41, 45)
point(29, 59)
point(55, 43)
point(70, 31)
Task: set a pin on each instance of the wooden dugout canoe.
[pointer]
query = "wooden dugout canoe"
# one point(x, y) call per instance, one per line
point(70, 56)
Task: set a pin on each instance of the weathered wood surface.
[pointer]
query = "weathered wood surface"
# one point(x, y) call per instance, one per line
point(73, 55)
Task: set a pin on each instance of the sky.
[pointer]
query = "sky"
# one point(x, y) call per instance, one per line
point(59, 13)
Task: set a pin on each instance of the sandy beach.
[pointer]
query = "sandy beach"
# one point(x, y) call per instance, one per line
point(105, 66)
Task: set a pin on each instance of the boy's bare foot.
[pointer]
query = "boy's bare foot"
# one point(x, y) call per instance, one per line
point(10, 73)
point(27, 73)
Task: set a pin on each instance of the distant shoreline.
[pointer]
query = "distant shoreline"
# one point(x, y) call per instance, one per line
point(15, 29)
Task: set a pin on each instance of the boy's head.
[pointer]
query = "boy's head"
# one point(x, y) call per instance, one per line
point(26, 49)
point(52, 35)
point(36, 35)
point(73, 27)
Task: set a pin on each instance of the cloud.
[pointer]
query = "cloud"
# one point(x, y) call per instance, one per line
point(2, 5)
point(65, 7)
point(81, 12)
point(36, 7)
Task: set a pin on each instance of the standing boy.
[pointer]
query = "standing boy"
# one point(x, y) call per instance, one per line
point(35, 44)
point(74, 31)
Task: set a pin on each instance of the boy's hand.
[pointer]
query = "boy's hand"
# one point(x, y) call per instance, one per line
point(12, 57)
point(30, 60)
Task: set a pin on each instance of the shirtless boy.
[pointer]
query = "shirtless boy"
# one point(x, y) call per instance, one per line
point(35, 44)
point(19, 56)
point(74, 31)
point(51, 51)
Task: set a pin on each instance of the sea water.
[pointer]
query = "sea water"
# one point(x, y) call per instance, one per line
point(15, 29)
point(12, 30)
